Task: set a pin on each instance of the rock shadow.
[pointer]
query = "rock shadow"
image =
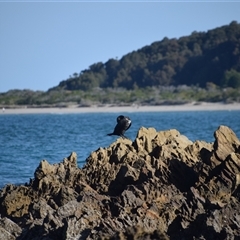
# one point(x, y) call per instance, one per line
point(181, 175)
point(118, 185)
point(198, 229)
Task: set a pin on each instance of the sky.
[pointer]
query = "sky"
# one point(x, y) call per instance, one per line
point(43, 43)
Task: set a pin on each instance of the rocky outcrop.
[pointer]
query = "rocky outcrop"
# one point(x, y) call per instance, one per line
point(160, 186)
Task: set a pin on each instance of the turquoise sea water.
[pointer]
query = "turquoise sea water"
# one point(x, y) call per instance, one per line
point(26, 139)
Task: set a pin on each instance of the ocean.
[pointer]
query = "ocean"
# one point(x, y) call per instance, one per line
point(26, 139)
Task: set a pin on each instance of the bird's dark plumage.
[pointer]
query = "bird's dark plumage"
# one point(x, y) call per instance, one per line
point(123, 124)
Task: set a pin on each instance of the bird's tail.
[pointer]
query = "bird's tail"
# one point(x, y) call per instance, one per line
point(110, 134)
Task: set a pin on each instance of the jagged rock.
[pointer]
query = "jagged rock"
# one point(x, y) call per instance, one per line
point(16, 201)
point(160, 186)
point(8, 229)
point(138, 233)
point(226, 142)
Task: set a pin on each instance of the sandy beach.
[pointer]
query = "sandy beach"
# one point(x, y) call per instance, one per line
point(119, 109)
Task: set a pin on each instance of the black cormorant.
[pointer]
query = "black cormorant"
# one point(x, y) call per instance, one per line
point(123, 124)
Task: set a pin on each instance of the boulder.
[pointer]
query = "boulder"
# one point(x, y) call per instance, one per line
point(160, 186)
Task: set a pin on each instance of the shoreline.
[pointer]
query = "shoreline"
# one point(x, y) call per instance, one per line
point(134, 108)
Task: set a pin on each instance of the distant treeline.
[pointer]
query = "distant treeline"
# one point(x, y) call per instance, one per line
point(204, 66)
point(119, 96)
point(198, 59)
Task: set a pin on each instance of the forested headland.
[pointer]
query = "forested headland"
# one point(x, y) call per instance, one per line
point(204, 66)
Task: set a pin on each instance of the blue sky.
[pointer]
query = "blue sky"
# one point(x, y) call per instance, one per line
point(44, 43)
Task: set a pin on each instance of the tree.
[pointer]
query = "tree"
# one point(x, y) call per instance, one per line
point(231, 79)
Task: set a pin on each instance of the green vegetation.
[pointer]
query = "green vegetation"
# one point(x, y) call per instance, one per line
point(119, 96)
point(204, 66)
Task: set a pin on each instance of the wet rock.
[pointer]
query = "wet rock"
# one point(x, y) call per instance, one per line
point(160, 186)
